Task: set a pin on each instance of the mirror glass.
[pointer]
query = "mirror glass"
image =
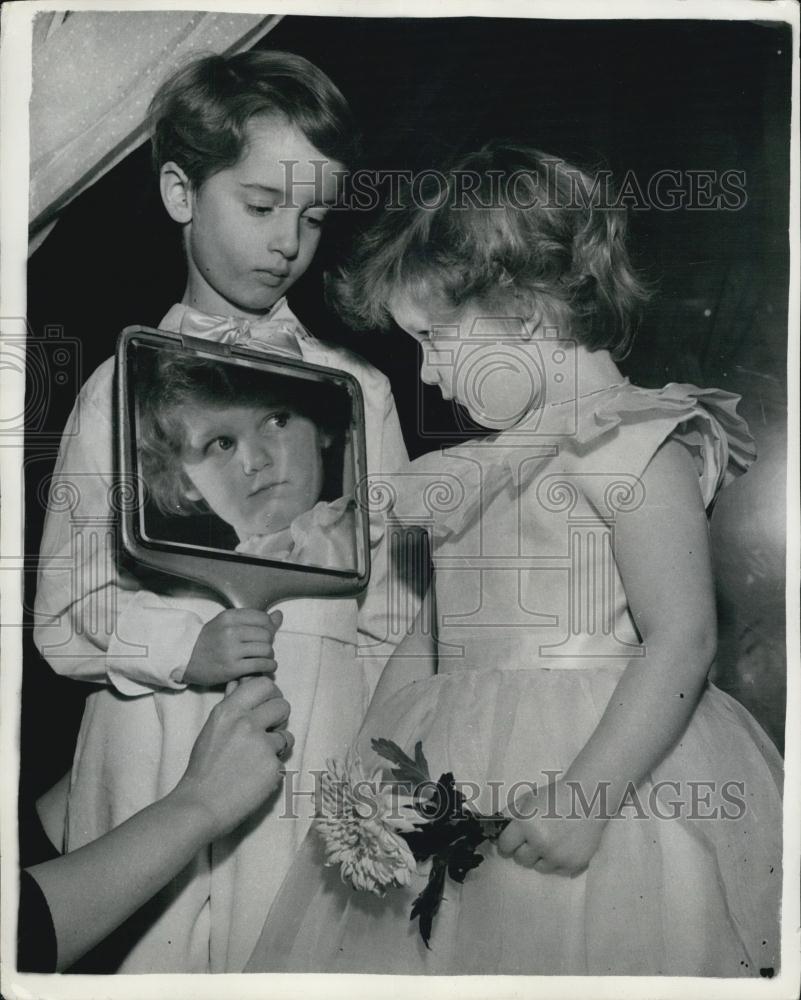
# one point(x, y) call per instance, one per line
point(250, 458)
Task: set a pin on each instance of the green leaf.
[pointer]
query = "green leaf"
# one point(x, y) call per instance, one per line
point(406, 770)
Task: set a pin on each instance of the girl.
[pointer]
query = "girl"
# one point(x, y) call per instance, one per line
point(245, 446)
point(575, 617)
point(224, 129)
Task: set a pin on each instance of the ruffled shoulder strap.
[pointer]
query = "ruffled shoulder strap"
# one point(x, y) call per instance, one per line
point(640, 420)
point(615, 431)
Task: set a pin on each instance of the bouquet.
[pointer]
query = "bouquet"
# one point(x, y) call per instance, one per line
point(381, 831)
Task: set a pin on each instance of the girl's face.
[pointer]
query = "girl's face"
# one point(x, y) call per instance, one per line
point(257, 467)
point(255, 226)
point(487, 363)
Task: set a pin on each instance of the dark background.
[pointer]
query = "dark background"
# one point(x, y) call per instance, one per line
point(641, 96)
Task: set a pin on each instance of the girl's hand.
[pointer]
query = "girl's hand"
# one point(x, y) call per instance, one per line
point(237, 760)
point(553, 834)
point(238, 642)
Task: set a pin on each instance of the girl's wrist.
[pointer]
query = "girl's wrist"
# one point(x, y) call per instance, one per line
point(593, 796)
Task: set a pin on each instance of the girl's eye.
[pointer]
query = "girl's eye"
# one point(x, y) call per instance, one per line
point(259, 209)
point(278, 419)
point(314, 221)
point(222, 444)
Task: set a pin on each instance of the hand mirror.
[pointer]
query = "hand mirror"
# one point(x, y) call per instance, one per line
point(239, 469)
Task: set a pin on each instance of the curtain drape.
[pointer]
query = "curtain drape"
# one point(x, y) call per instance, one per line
point(94, 74)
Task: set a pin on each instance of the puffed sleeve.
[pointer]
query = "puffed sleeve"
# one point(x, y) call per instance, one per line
point(92, 619)
point(629, 428)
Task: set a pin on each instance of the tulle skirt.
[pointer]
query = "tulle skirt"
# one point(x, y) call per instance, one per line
point(686, 880)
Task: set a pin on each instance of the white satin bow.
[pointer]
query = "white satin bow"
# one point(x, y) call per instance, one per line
point(277, 333)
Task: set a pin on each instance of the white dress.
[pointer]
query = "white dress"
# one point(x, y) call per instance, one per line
point(98, 622)
point(534, 632)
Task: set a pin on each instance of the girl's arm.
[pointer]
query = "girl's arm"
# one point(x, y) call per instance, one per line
point(414, 658)
point(233, 768)
point(662, 552)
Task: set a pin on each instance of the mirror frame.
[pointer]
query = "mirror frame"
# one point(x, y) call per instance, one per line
point(242, 580)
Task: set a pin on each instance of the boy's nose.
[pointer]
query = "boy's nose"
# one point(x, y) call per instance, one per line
point(285, 237)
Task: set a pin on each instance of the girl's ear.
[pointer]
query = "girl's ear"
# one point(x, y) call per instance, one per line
point(176, 192)
point(192, 494)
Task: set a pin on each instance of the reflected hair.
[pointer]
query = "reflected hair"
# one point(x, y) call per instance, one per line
point(510, 229)
point(168, 381)
point(199, 116)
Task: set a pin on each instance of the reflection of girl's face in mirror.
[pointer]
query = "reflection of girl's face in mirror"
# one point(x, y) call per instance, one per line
point(256, 467)
point(255, 449)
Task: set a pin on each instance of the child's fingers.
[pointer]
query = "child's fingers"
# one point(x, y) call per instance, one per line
point(248, 616)
point(529, 857)
point(264, 650)
point(511, 839)
point(250, 633)
point(247, 694)
point(276, 617)
point(545, 867)
point(252, 665)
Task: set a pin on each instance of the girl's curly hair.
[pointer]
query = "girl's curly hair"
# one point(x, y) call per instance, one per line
point(507, 227)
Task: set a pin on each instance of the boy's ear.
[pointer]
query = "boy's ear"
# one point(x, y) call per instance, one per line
point(176, 192)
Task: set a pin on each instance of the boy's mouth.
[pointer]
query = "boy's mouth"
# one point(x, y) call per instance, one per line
point(269, 275)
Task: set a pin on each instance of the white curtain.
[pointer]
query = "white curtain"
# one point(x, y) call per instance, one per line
point(94, 74)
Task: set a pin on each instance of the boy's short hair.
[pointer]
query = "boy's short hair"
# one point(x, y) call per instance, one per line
point(166, 381)
point(512, 229)
point(199, 115)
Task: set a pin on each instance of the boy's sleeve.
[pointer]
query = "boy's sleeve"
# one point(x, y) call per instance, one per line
point(92, 619)
point(398, 575)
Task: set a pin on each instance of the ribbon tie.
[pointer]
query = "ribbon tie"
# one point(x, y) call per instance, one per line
point(277, 333)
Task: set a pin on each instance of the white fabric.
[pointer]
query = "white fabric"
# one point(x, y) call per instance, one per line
point(323, 536)
point(95, 621)
point(534, 632)
point(94, 74)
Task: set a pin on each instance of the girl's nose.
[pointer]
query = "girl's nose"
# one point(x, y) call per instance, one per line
point(284, 235)
point(429, 374)
point(255, 456)
point(430, 370)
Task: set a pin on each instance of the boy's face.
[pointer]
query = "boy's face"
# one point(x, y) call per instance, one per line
point(255, 226)
point(257, 467)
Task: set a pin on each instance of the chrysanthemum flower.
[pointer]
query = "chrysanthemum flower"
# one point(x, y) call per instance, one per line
point(361, 822)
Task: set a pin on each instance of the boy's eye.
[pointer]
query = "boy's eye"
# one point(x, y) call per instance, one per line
point(315, 221)
point(259, 209)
